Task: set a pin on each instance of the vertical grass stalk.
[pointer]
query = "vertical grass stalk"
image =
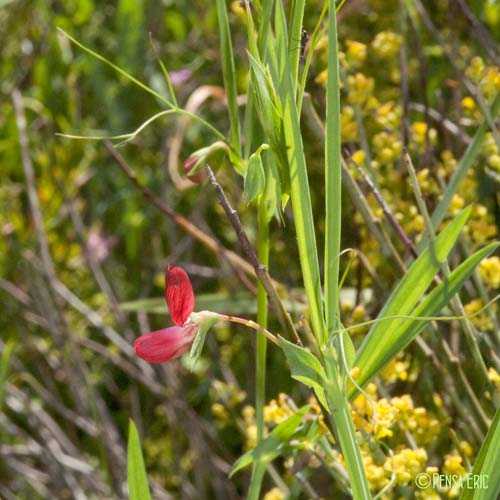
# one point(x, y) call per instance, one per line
point(260, 360)
point(336, 390)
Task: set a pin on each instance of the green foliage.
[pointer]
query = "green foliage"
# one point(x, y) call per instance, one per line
point(273, 445)
point(136, 473)
point(306, 368)
point(384, 339)
point(486, 466)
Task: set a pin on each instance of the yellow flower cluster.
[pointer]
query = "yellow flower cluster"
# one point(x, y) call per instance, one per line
point(362, 413)
point(489, 269)
point(481, 226)
point(388, 115)
point(420, 131)
point(277, 411)
point(348, 127)
point(386, 44)
point(491, 152)
point(406, 464)
point(486, 77)
point(361, 90)
point(387, 146)
point(275, 494)
point(482, 321)
point(397, 369)
point(355, 53)
point(423, 426)
point(494, 376)
point(427, 183)
point(248, 414)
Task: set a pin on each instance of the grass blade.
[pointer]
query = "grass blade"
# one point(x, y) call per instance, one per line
point(301, 199)
point(383, 336)
point(136, 471)
point(486, 466)
point(229, 73)
point(372, 358)
point(119, 70)
point(333, 180)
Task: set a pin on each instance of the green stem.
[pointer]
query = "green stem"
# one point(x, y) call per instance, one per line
point(341, 416)
point(260, 360)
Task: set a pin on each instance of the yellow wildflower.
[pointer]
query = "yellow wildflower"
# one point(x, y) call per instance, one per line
point(468, 104)
point(386, 44)
point(356, 52)
point(275, 494)
point(489, 269)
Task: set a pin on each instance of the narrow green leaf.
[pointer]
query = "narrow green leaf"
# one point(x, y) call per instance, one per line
point(377, 351)
point(486, 467)
point(305, 368)
point(229, 73)
point(272, 446)
point(297, 19)
point(301, 197)
point(383, 335)
point(136, 472)
point(333, 182)
point(119, 70)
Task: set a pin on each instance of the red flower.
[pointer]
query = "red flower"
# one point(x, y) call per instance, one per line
point(179, 295)
point(164, 345)
point(169, 343)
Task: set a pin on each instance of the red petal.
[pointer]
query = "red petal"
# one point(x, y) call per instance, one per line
point(179, 295)
point(164, 345)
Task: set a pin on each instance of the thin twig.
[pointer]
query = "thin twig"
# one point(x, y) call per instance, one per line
point(235, 260)
point(260, 270)
point(387, 211)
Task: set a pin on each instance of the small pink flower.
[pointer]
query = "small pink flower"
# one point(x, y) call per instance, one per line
point(170, 343)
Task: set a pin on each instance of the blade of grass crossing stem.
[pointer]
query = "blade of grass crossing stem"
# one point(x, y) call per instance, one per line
point(333, 179)
point(470, 155)
point(138, 487)
point(372, 359)
point(486, 472)
point(229, 73)
point(301, 199)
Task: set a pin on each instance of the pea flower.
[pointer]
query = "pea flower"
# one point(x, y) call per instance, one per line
point(170, 343)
